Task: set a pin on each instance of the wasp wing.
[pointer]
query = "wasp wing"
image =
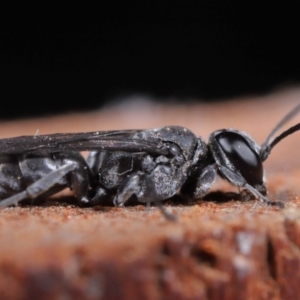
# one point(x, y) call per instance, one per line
point(121, 140)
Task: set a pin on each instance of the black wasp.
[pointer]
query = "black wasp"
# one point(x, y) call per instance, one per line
point(152, 164)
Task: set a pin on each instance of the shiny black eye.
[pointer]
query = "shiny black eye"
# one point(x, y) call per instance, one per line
point(242, 156)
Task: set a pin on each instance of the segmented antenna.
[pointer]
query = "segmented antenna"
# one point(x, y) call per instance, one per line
point(267, 146)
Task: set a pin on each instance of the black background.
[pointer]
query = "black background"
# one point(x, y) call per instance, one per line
point(207, 51)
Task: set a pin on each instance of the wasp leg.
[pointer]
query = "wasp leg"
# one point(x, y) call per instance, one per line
point(139, 184)
point(169, 216)
point(99, 195)
point(40, 186)
point(198, 185)
point(239, 181)
point(82, 180)
point(129, 187)
point(135, 185)
point(205, 181)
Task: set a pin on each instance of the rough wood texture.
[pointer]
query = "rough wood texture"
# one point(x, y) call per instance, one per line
point(227, 250)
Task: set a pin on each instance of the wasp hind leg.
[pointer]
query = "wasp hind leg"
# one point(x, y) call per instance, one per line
point(40, 186)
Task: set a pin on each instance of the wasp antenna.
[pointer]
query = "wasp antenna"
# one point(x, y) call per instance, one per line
point(267, 146)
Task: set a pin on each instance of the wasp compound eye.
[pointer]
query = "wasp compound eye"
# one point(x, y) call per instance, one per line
point(242, 156)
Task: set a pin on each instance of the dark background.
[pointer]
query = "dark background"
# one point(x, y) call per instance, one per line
point(205, 51)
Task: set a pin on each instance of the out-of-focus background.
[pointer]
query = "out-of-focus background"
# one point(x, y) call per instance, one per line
point(203, 51)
